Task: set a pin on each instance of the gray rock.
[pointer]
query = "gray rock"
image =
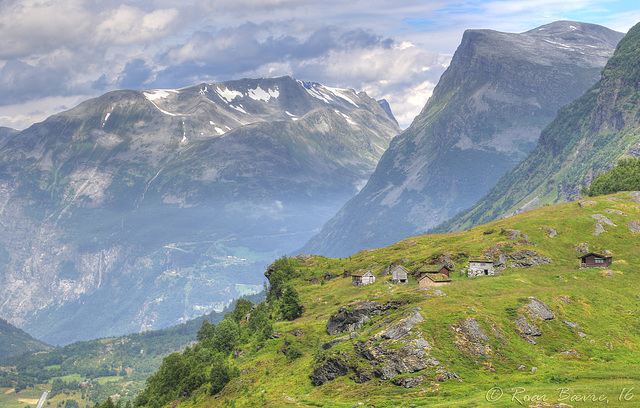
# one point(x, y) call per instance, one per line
point(571, 324)
point(526, 330)
point(345, 320)
point(599, 229)
point(616, 212)
point(402, 328)
point(584, 204)
point(329, 344)
point(330, 370)
point(634, 226)
point(538, 309)
point(409, 382)
point(602, 219)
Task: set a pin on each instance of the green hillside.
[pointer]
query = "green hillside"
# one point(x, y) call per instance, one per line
point(14, 341)
point(107, 366)
point(536, 332)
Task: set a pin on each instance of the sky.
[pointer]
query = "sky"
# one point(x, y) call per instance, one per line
point(55, 54)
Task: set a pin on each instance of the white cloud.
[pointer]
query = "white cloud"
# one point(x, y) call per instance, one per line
point(76, 49)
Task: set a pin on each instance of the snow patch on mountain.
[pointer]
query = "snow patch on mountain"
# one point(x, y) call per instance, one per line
point(227, 94)
point(260, 94)
point(154, 94)
point(339, 93)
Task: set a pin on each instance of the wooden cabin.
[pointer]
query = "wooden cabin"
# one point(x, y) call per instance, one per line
point(431, 279)
point(480, 267)
point(443, 269)
point(593, 260)
point(362, 278)
point(399, 275)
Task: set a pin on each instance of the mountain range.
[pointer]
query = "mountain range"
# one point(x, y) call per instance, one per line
point(485, 115)
point(161, 205)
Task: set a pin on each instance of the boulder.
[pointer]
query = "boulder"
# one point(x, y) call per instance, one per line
point(409, 382)
point(634, 226)
point(538, 309)
point(330, 370)
point(350, 320)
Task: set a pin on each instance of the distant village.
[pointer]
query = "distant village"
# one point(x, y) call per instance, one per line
point(440, 275)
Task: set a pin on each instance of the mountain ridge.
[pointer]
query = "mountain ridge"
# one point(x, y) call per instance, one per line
point(173, 199)
point(484, 116)
point(587, 138)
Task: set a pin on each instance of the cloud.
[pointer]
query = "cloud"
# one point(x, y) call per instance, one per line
point(77, 49)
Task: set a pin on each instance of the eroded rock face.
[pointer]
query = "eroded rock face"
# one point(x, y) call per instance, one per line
point(471, 339)
point(398, 348)
point(351, 320)
point(330, 370)
point(536, 309)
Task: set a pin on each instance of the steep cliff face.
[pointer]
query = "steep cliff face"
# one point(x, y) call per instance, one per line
point(588, 137)
point(485, 115)
point(161, 205)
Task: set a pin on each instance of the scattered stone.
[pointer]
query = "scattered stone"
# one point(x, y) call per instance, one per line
point(297, 332)
point(603, 220)
point(471, 338)
point(444, 375)
point(289, 399)
point(616, 212)
point(634, 226)
point(582, 248)
point(314, 281)
point(570, 353)
point(521, 367)
point(439, 292)
point(511, 234)
point(534, 369)
point(599, 229)
point(276, 335)
point(581, 334)
point(538, 309)
point(409, 382)
point(551, 232)
point(585, 204)
point(570, 324)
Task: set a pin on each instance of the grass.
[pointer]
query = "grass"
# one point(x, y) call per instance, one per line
point(589, 366)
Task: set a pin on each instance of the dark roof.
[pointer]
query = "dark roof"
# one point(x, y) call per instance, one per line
point(430, 268)
point(481, 260)
point(594, 254)
point(361, 272)
point(436, 277)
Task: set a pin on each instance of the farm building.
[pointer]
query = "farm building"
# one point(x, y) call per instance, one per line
point(593, 260)
point(362, 278)
point(443, 269)
point(399, 275)
point(480, 267)
point(431, 279)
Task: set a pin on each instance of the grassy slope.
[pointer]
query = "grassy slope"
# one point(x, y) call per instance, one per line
point(606, 308)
